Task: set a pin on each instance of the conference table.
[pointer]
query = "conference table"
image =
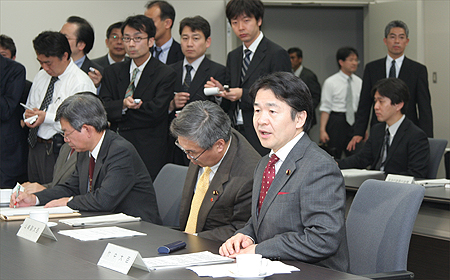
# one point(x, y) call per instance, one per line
point(69, 258)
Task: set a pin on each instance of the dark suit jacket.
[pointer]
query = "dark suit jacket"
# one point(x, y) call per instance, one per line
point(415, 75)
point(63, 167)
point(221, 215)
point(311, 81)
point(302, 216)
point(89, 63)
point(147, 127)
point(121, 183)
point(409, 153)
point(175, 54)
point(206, 70)
point(104, 62)
point(268, 58)
point(13, 139)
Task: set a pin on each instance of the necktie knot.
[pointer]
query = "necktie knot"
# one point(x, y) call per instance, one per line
point(158, 51)
point(247, 52)
point(189, 67)
point(273, 159)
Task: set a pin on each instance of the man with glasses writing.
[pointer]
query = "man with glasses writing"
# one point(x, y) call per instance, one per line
point(109, 175)
point(137, 94)
point(217, 192)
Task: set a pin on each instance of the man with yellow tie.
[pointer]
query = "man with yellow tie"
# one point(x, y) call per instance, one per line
point(217, 192)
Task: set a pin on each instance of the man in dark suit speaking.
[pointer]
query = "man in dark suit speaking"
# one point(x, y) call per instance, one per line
point(219, 205)
point(256, 57)
point(298, 200)
point(109, 175)
point(396, 145)
point(395, 65)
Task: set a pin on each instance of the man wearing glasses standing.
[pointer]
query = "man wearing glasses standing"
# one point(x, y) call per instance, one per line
point(115, 45)
point(137, 94)
point(217, 192)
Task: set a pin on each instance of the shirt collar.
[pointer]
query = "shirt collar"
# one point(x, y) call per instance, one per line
point(393, 128)
point(167, 45)
point(112, 61)
point(68, 69)
point(141, 68)
point(80, 61)
point(399, 60)
point(96, 150)
point(255, 44)
point(195, 64)
point(298, 71)
point(286, 149)
point(216, 166)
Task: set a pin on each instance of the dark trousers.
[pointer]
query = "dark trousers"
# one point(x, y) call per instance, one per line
point(340, 133)
point(41, 161)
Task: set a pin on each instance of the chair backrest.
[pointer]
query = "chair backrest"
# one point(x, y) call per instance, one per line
point(169, 185)
point(437, 149)
point(379, 226)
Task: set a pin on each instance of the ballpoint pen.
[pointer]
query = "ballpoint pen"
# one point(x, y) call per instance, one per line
point(17, 195)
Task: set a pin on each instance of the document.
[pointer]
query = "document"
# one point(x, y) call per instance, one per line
point(21, 213)
point(433, 182)
point(100, 220)
point(5, 195)
point(185, 260)
point(90, 234)
point(360, 172)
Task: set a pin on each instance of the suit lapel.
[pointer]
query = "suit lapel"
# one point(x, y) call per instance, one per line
point(101, 158)
point(397, 139)
point(236, 66)
point(199, 79)
point(146, 78)
point(123, 79)
point(258, 57)
point(405, 70)
point(282, 177)
point(83, 176)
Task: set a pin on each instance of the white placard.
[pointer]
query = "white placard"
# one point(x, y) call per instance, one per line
point(32, 230)
point(121, 259)
point(399, 179)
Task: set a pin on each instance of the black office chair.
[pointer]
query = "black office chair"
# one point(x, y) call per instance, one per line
point(437, 149)
point(379, 227)
point(169, 185)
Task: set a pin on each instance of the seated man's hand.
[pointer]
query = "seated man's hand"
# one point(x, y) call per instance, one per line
point(24, 200)
point(57, 202)
point(32, 187)
point(239, 243)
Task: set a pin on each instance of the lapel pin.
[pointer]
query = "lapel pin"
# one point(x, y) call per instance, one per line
point(212, 199)
point(288, 172)
point(215, 192)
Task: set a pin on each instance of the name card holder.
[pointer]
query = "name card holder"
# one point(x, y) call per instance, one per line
point(121, 259)
point(400, 179)
point(31, 230)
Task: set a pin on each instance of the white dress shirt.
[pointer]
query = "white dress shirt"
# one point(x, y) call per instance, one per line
point(398, 65)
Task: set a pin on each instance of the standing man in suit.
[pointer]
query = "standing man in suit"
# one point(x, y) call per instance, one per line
point(80, 34)
point(109, 175)
point(340, 97)
point(58, 79)
point(298, 200)
point(395, 65)
point(166, 49)
point(256, 57)
point(195, 40)
point(13, 144)
point(218, 188)
point(396, 145)
point(307, 76)
point(137, 94)
point(115, 46)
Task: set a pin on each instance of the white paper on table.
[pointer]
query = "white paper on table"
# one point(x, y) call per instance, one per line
point(20, 211)
point(192, 259)
point(5, 195)
point(347, 173)
point(229, 270)
point(432, 182)
point(100, 220)
point(90, 234)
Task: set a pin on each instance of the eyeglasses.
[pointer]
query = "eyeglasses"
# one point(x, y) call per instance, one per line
point(66, 136)
point(189, 152)
point(115, 38)
point(135, 39)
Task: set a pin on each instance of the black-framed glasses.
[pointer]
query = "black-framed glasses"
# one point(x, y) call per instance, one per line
point(66, 136)
point(188, 152)
point(135, 39)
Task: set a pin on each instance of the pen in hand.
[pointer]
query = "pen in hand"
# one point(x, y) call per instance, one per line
point(17, 195)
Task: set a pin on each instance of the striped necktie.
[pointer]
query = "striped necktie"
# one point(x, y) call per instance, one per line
point(131, 88)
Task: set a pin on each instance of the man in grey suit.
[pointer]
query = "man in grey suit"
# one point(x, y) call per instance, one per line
point(215, 210)
point(109, 175)
point(307, 76)
point(115, 46)
point(298, 200)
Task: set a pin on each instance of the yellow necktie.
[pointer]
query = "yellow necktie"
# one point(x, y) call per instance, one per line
point(200, 191)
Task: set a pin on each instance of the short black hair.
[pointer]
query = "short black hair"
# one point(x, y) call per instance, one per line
point(85, 32)
point(51, 43)
point(345, 52)
point(141, 23)
point(7, 42)
point(250, 8)
point(290, 89)
point(393, 88)
point(117, 25)
point(167, 10)
point(196, 23)
point(297, 51)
